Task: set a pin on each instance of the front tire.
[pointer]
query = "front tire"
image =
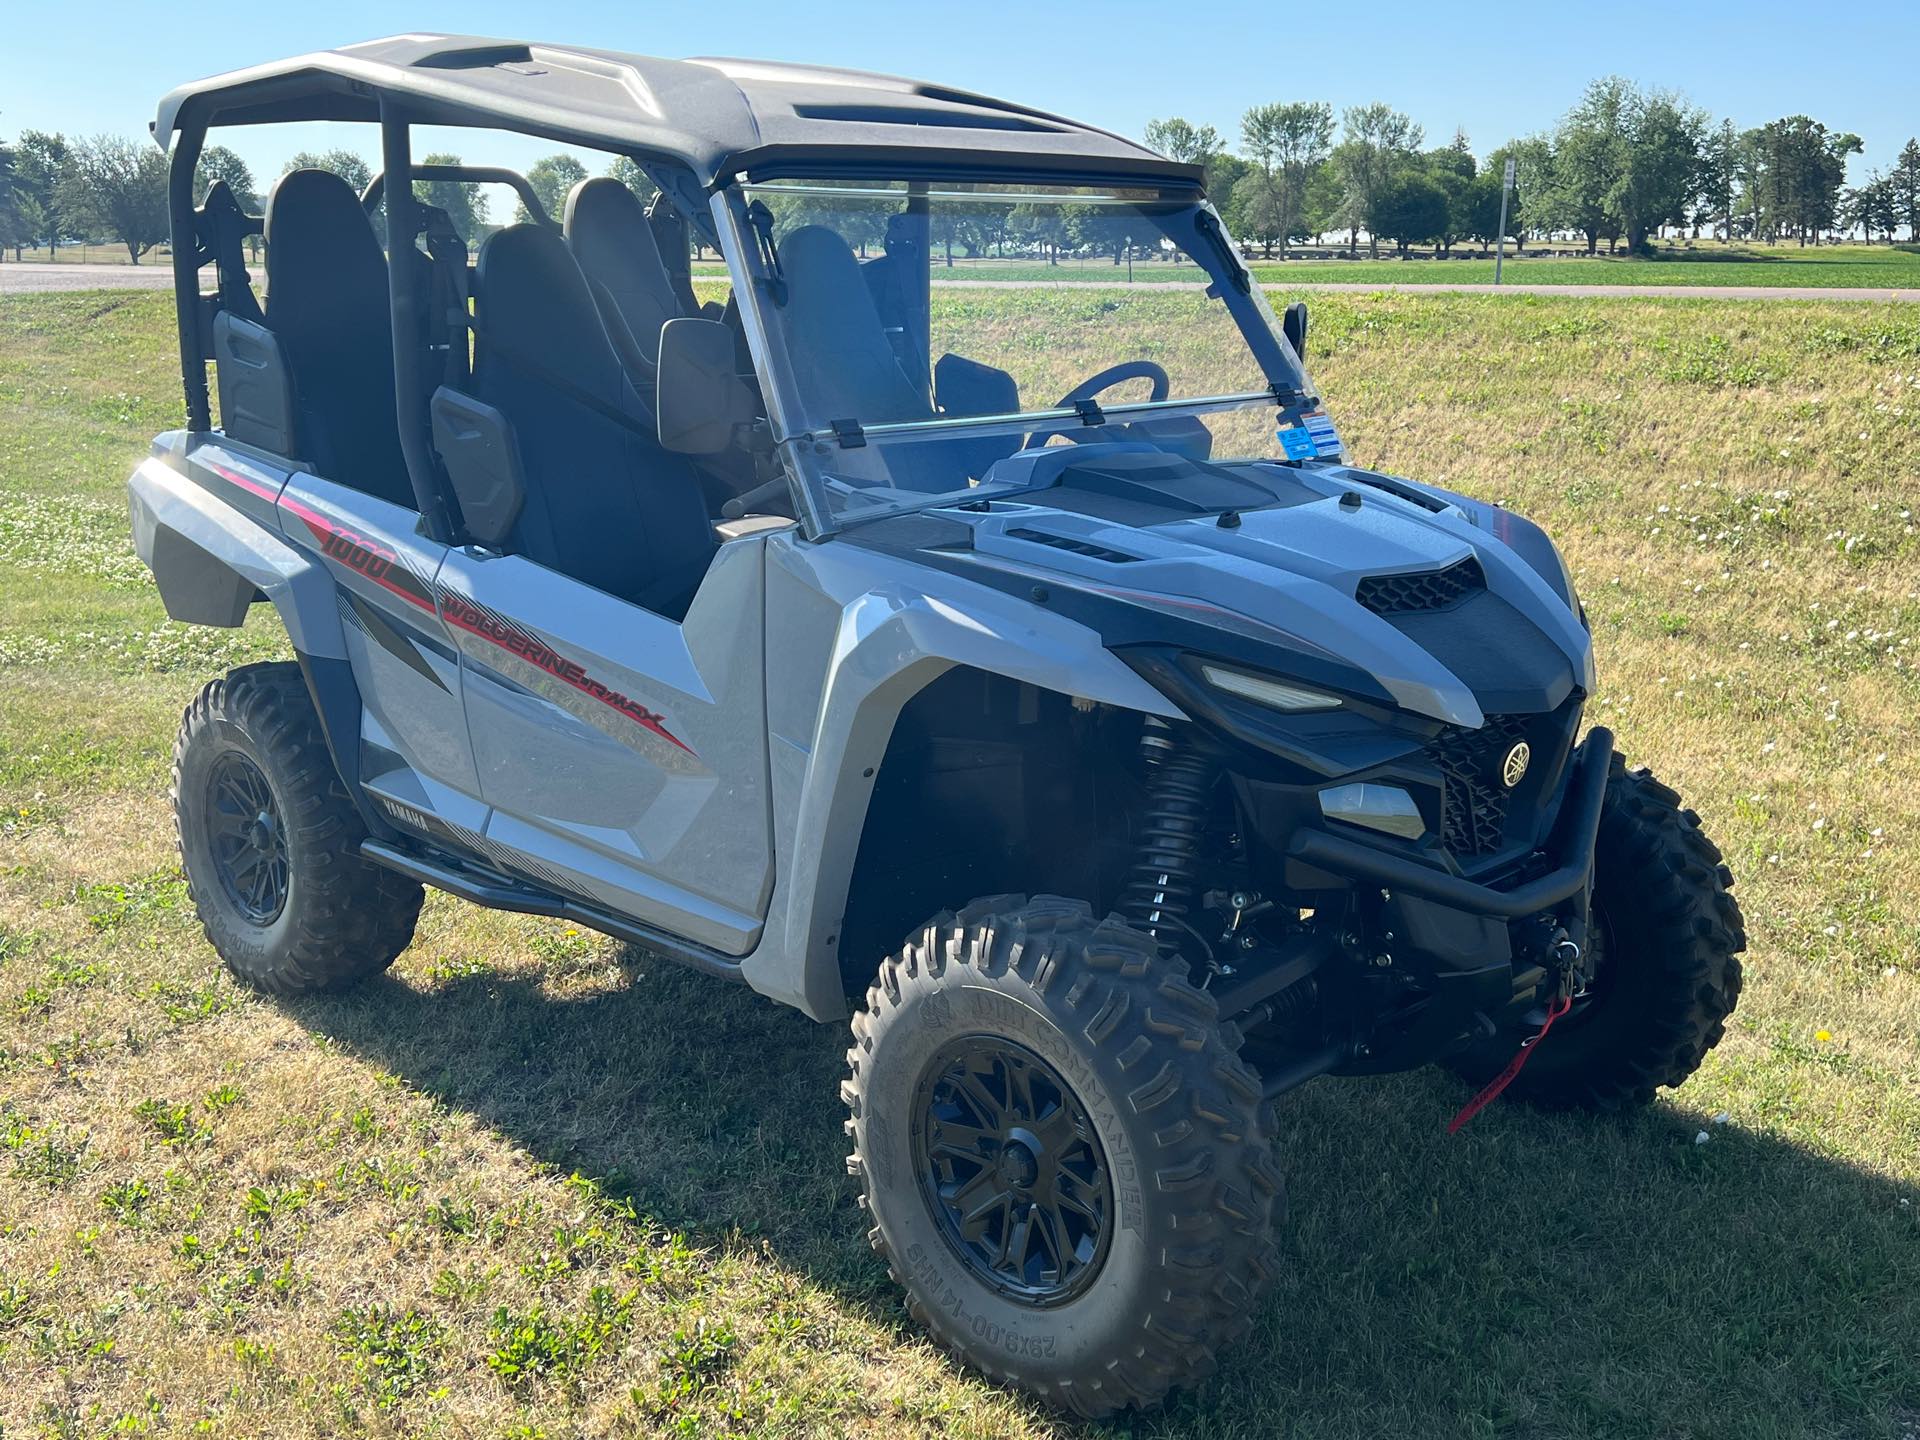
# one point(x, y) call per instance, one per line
point(270, 841)
point(1666, 939)
point(1064, 1159)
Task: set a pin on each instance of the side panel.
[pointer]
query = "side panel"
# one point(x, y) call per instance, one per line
point(406, 667)
point(620, 751)
point(353, 583)
point(852, 635)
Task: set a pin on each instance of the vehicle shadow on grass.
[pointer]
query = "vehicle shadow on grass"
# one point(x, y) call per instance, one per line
point(1538, 1275)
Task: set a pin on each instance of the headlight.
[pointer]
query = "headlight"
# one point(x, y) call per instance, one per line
point(1386, 808)
point(1262, 690)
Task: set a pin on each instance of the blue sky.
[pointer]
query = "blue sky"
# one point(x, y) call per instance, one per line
point(1494, 69)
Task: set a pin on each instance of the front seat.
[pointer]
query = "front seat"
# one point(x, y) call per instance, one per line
point(842, 362)
point(605, 504)
point(846, 369)
point(608, 232)
point(327, 302)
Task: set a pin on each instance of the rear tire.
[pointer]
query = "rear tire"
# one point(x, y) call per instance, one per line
point(1126, 1125)
point(1667, 935)
point(270, 841)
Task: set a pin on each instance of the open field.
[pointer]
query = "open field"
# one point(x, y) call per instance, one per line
point(1708, 265)
point(534, 1184)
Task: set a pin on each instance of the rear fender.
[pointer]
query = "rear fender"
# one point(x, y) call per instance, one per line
point(211, 562)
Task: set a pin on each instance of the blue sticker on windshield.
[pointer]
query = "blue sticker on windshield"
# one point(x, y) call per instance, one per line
point(1313, 437)
point(1298, 443)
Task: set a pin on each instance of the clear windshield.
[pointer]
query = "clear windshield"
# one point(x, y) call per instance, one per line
point(919, 336)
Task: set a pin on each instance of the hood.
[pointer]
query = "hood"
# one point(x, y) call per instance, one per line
point(1445, 607)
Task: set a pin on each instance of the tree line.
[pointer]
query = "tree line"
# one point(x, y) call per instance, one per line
point(55, 190)
point(1623, 165)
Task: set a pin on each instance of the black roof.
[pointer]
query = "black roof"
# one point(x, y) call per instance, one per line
point(716, 117)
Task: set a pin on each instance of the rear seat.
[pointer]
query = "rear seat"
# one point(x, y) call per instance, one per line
point(327, 302)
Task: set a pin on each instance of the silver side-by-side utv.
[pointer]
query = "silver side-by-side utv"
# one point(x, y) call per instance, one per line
point(1016, 665)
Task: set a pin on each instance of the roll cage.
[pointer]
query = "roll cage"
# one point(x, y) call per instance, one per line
point(694, 128)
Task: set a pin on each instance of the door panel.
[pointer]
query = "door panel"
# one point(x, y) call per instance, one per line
point(623, 750)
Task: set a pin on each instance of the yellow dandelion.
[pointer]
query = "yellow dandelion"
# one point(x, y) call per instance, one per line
point(1823, 1036)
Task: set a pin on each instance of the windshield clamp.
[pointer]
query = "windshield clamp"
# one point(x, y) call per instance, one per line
point(849, 434)
point(1089, 412)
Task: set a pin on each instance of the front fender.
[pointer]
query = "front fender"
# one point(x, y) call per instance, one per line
point(852, 635)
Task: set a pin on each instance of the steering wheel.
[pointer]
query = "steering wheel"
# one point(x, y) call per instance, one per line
point(1094, 385)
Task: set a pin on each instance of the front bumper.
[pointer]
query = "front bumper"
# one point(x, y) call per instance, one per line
point(1569, 848)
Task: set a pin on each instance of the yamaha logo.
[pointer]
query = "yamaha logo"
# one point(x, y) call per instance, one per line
point(1513, 769)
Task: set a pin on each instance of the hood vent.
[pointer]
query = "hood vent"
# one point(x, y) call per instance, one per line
point(1077, 547)
point(1425, 590)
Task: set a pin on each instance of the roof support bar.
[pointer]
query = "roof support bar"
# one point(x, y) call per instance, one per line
point(408, 306)
point(186, 274)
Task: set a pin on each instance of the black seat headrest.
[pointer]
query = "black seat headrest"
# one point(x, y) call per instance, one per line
point(534, 305)
point(320, 244)
point(844, 363)
point(608, 231)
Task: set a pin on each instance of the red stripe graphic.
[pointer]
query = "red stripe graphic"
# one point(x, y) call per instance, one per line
point(457, 610)
point(364, 556)
point(370, 559)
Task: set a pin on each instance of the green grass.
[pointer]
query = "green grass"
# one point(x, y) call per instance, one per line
point(1707, 264)
point(533, 1183)
point(1873, 267)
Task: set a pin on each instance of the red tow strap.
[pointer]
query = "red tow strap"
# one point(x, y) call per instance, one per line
point(1486, 1097)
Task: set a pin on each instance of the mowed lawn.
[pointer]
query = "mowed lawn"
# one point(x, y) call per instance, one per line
point(1707, 263)
point(533, 1184)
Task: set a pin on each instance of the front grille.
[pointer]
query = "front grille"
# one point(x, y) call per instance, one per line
point(1475, 819)
point(1427, 590)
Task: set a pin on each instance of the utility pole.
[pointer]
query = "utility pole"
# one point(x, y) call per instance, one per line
point(1500, 240)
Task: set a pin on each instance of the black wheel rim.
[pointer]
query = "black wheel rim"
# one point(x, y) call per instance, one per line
point(247, 838)
point(1012, 1170)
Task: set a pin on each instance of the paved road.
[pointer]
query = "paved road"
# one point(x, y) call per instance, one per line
point(35, 276)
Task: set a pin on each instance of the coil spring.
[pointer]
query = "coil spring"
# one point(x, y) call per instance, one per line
point(1161, 882)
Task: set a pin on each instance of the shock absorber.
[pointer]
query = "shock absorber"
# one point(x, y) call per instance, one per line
point(1162, 880)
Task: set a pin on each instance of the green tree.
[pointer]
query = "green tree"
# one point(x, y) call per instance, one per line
point(1805, 170)
point(1871, 206)
point(118, 187)
point(1376, 143)
point(13, 228)
point(217, 162)
point(344, 163)
point(40, 159)
point(1664, 137)
point(1322, 201)
point(1750, 179)
point(1410, 209)
point(1453, 169)
point(1181, 140)
point(1286, 144)
point(1589, 162)
point(1905, 181)
point(552, 178)
point(1224, 174)
point(1716, 180)
point(1191, 144)
point(463, 200)
point(627, 171)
